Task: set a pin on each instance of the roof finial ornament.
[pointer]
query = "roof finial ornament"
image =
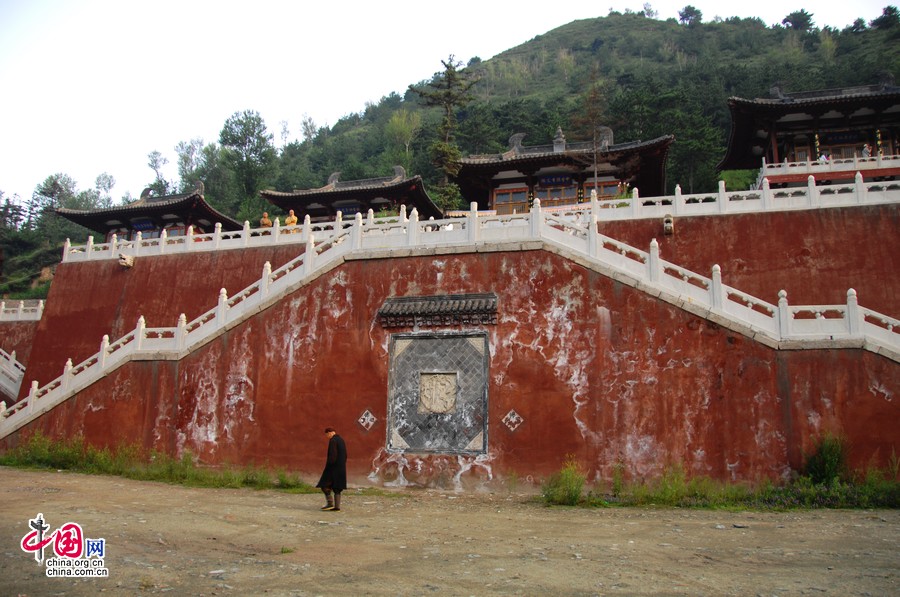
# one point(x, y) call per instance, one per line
point(334, 178)
point(145, 194)
point(515, 142)
point(559, 141)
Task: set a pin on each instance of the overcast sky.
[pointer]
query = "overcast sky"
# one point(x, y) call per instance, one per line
point(93, 86)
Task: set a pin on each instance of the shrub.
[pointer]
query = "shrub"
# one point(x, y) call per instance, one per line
point(827, 464)
point(564, 487)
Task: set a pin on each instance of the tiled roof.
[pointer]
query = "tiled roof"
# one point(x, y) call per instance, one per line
point(441, 310)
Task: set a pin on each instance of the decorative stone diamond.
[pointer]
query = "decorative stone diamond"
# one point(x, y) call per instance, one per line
point(367, 419)
point(513, 420)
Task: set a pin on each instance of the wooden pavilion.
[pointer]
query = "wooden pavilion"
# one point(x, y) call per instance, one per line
point(356, 196)
point(563, 173)
point(150, 215)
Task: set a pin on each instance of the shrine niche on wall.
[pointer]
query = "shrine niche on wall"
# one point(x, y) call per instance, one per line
point(437, 393)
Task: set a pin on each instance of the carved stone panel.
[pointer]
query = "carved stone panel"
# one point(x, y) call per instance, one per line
point(437, 393)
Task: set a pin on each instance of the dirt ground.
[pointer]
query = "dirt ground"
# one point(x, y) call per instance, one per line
point(161, 539)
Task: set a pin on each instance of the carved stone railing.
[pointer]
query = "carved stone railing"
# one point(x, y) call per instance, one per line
point(21, 310)
point(11, 373)
point(840, 165)
point(627, 208)
point(776, 325)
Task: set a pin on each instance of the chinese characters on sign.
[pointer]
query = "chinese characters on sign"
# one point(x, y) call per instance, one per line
point(75, 556)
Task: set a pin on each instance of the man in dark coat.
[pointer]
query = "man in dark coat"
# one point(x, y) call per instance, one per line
point(334, 477)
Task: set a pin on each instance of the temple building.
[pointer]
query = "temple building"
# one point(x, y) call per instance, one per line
point(830, 134)
point(150, 215)
point(357, 196)
point(563, 173)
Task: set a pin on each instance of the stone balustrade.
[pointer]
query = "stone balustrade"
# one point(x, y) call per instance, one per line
point(21, 310)
point(11, 373)
point(810, 167)
point(573, 234)
point(634, 207)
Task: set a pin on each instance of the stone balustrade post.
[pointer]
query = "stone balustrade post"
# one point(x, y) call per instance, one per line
point(163, 237)
point(309, 255)
point(854, 318)
point(67, 246)
point(338, 222)
point(2, 310)
point(138, 241)
point(89, 247)
point(264, 280)
point(595, 205)
point(217, 235)
point(67, 375)
point(636, 202)
point(653, 265)
point(678, 203)
point(403, 217)
point(812, 193)
point(716, 296)
point(113, 242)
point(32, 396)
point(412, 229)
point(859, 188)
point(221, 307)
point(593, 238)
point(181, 331)
point(276, 231)
point(139, 333)
point(722, 198)
point(766, 195)
point(537, 219)
point(3, 409)
point(246, 232)
point(356, 232)
point(104, 349)
point(20, 312)
point(784, 315)
point(370, 217)
point(307, 228)
point(40, 309)
point(473, 233)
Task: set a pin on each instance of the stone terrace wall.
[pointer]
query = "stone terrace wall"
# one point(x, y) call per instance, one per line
point(815, 255)
point(578, 364)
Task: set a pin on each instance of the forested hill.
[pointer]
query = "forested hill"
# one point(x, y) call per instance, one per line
point(641, 76)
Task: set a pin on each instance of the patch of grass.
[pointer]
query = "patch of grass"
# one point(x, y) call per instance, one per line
point(564, 487)
point(285, 550)
point(38, 451)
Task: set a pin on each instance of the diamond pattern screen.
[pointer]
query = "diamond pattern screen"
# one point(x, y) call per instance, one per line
point(437, 393)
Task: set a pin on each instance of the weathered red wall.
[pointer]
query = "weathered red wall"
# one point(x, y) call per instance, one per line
point(596, 369)
point(90, 299)
point(18, 336)
point(815, 255)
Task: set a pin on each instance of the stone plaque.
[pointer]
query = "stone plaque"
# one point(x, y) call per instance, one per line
point(437, 393)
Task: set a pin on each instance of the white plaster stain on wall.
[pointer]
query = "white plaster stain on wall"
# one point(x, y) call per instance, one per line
point(240, 394)
point(202, 430)
point(878, 390)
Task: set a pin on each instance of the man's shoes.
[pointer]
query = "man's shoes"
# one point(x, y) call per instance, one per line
point(329, 507)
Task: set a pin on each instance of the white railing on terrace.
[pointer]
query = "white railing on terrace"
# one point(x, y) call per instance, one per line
point(634, 207)
point(11, 373)
point(810, 167)
point(21, 310)
point(778, 325)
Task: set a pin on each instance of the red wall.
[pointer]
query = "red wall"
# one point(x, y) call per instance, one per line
point(596, 369)
point(815, 255)
point(18, 336)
